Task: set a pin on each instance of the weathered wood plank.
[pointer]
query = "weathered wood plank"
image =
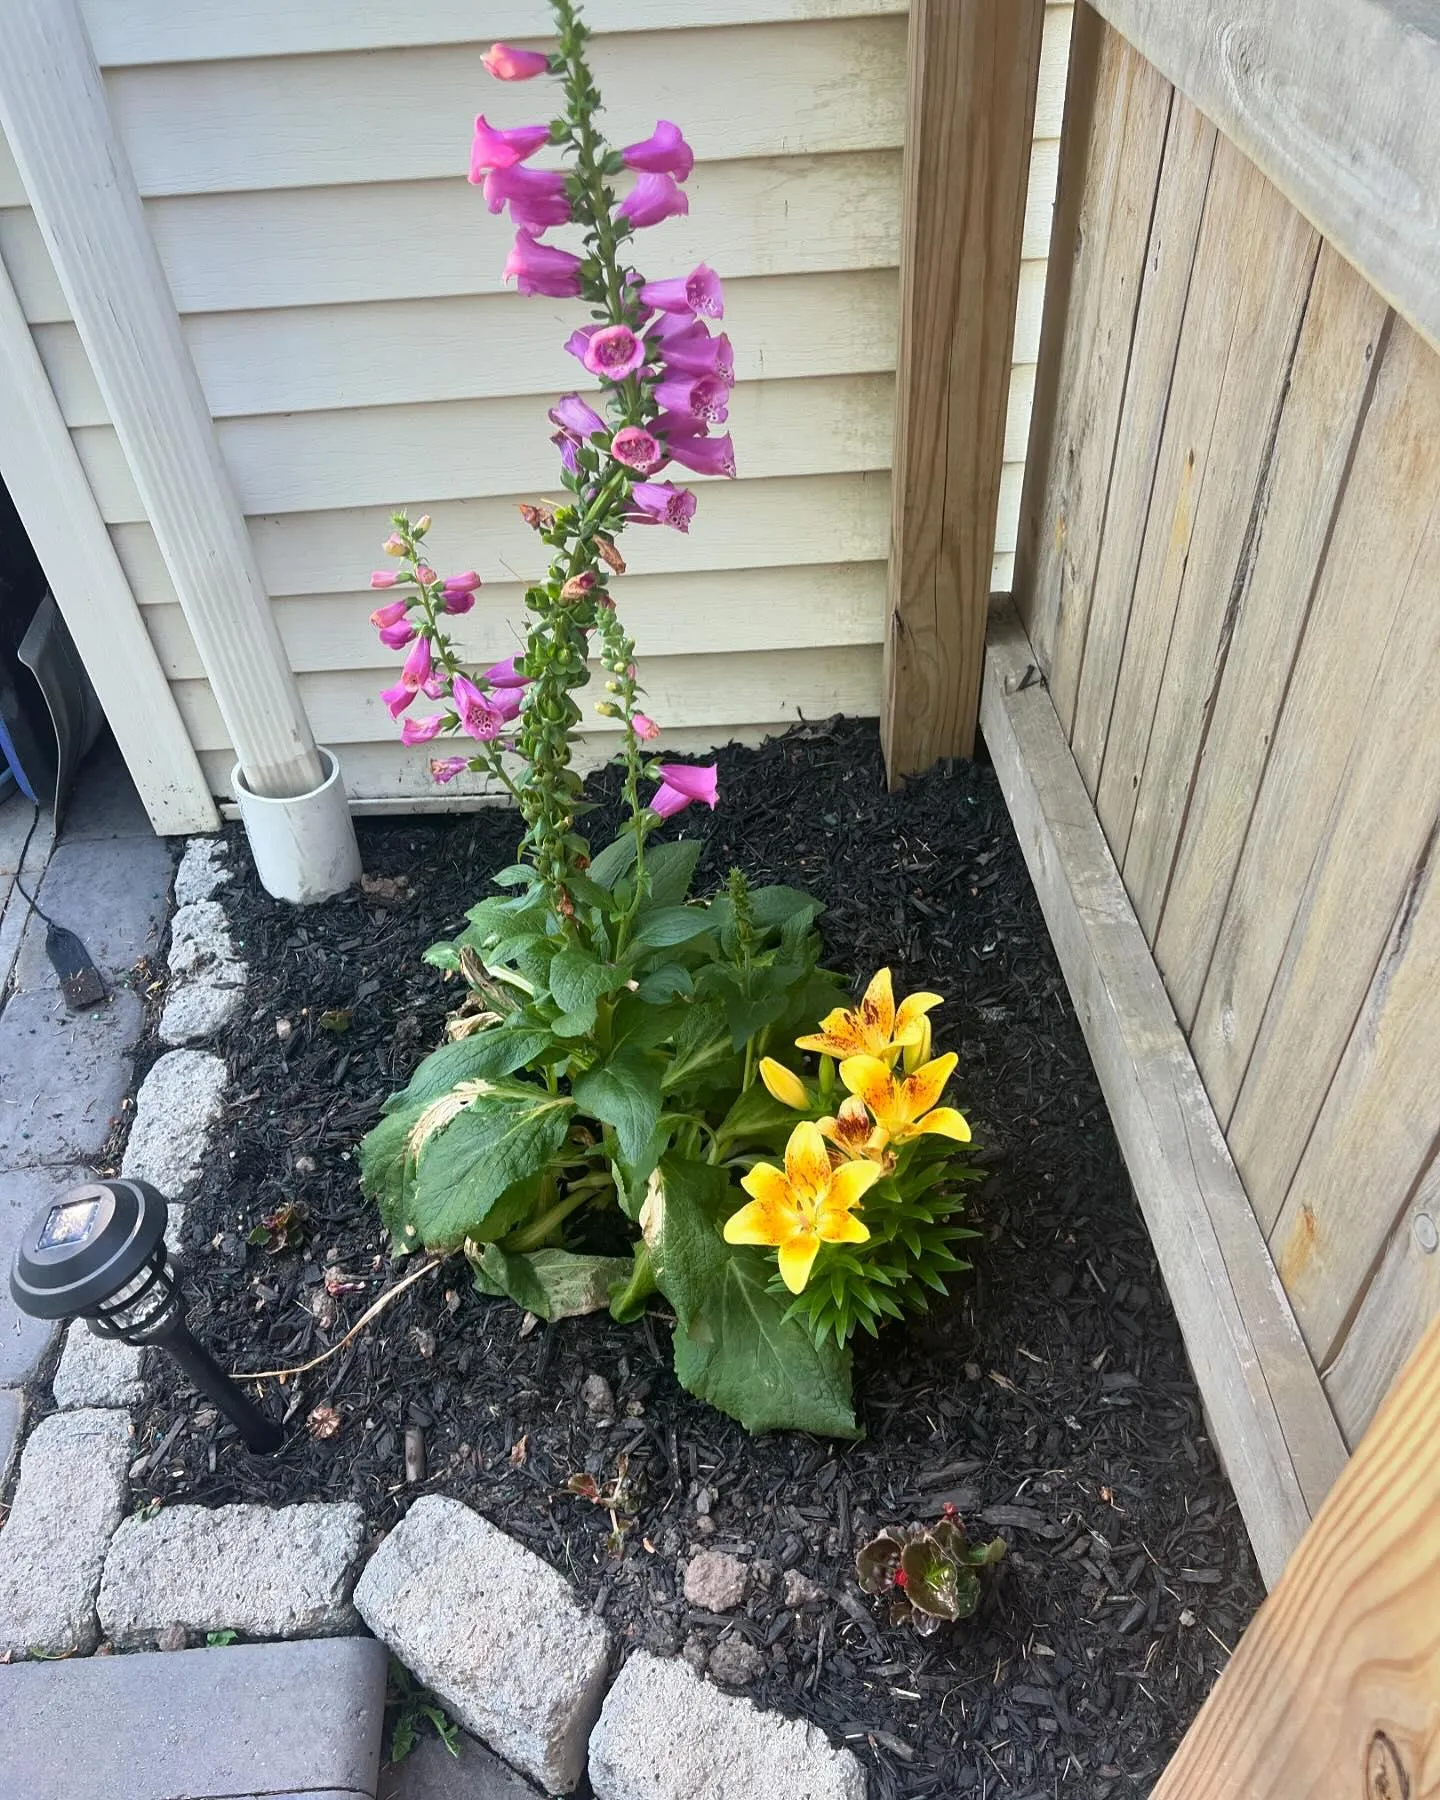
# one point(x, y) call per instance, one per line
point(1089, 666)
point(1271, 1421)
point(973, 66)
point(1335, 101)
point(1114, 135)
point(1330, 387)
point(1254, 266)
point(1332, 1690)
point(1401, 1300)
point(1379, 528)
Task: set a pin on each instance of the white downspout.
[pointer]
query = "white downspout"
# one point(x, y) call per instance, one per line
point(87, 204)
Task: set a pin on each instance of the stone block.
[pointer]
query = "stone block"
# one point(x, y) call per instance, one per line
point(97, 1371)
point(666, 1734)
point(204, 870)
point(113, 893)
point(68, 1502)
point(25, 1342)
point(175, 1112)
point(12, 1416)
point(63, 1076)
point(201, 1006)
point(498, 1635)
point(270, 1720)
point(430, 1772)
point(266, 1573)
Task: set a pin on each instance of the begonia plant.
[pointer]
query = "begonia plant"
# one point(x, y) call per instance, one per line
point(614, 1110)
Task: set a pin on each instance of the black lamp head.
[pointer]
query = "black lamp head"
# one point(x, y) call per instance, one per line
point(98, 1252)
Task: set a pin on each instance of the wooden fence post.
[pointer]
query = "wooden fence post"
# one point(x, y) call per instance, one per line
point(973, 68)
point(1333, 1689)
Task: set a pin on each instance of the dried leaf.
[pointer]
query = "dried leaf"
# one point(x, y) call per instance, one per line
point(519, 1452)
point(323, 1422)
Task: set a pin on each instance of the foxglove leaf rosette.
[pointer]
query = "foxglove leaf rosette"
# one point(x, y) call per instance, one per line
point(508, 63)
point(681, 784)
point(664, 152)
point(538, 268)
point(492, 148)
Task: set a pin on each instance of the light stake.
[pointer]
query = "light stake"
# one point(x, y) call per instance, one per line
point(98, 1254)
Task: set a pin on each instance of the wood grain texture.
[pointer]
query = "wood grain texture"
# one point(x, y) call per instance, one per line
point(973, 66)
point(1115, 134)
point(1332, 1690)
point(1401, 1300)
point(1088, 664)
point(1380, 525)
point(1335, 101)
point(1331, 382)
point(1270, 1418)
point(1254, 266)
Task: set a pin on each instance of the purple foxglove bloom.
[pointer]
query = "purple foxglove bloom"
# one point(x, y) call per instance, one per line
point(383, 578)
point(465, 582)
point(614, 351)
point(457, 600)
point(645, 728)
point(389, 614)
point(578, 339)
point(661, 503)
point(425, 575)
point(664, 152)
point(569, 455)
point(446, 768)
point(682, 783)
point(397, 698)
point(505, 675)
point(420, 731)
point(541, 269)
point(417, 670)
point(572, 414)
point(506, 63)
point(536, 197)
point(697, 292)
point(678, 425)
point(397, 636)
point(701, 355)
point(652, 199)
point(704, 396)
point(478, 715)
point(706, 456)
point(492, 148)
point(634, 446)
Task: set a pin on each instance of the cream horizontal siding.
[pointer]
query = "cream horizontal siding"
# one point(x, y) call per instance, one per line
point(286, 168)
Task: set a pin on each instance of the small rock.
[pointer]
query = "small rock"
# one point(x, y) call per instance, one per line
point(173, 1637)
point(715, 1581)
point(800, 1590)
point(696, 1652)
point(735, 1662)
point(598, 1397)
point(202, 872)
point(176, 1110)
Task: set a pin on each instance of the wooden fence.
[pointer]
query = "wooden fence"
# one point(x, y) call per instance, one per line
point(1215, 716)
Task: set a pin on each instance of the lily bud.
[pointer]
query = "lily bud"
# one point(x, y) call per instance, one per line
point(784, 1084)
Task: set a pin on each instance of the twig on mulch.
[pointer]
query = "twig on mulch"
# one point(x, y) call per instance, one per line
point(371, 1312)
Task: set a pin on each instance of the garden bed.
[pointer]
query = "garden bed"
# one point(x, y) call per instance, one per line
point(1049, 1400)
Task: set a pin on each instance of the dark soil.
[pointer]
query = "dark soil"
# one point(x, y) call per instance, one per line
point(1050, 1400)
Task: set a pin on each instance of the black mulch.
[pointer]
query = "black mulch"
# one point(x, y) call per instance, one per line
point(1050, 1400)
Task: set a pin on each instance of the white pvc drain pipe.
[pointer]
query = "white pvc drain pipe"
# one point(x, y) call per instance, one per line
point(304, 848)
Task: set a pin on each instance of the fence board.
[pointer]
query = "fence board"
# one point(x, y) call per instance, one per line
point(1170, 254)
point(1378, 531)
point(1330, 387)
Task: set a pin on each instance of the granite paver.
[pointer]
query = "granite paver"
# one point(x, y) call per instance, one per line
point(63, 1076)
point(113, 893)
point(430, 1772)
point(25, 1342)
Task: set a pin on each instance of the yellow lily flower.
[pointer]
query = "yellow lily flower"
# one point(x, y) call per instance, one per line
point(906, 1108)
point(784, 1084)
point(876, 1027)
point(803, 1205)
point(852, 1131)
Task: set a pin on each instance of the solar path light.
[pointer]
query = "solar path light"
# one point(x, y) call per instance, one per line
point(98, 1253)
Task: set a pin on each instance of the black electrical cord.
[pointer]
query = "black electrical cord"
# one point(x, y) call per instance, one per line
point(80, 981)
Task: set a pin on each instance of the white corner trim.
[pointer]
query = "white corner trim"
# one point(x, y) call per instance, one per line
point(80, 183)
point(46, 480)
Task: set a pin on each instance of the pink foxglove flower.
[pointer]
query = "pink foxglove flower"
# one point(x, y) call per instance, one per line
point(664, 152)
point(425, 575)
point(446, 768)
point(418, 668)
point(397, 698)
point(637, 449)
point(389, 614)
point(504, 675)
point(383, 578)
point(578, 586)
point(704, 396)
point(538, 268)
point(569, 454)
point(706, 456)
point(420, 731)
point(492, 148)
point(536, 197)
point(653, 199)
point(506, 63)
point(394, 545)
point(578, 339)
point(574, 415)
point(457, 600)
point(398, 635)
point(701, 354)
point(661, 503)
point(465, 582)
point(614, 351)
point(645, 727)
point(478, 716)
point(697, 292)
point(683, 783)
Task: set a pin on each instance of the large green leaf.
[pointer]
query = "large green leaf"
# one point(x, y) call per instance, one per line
point(465, 1167)
point(553, 1284)
point(577, 981)
point(623, 1092)
point(669, 870)
point(702, 1043)
point(387, 1170)
point(483, 1053)
point(733, 1344)
point(669, 925)
point(613, 861)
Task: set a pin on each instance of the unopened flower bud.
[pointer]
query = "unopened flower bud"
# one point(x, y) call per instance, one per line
point(422, 525)
point(612, 687)
point(607, 709)
point(394, 545)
